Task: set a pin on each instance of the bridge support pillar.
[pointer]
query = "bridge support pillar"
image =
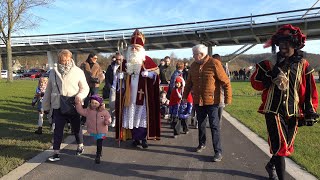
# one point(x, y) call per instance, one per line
point(210, 50)
point(75, 57)
point(51, 59)
point(3, 61)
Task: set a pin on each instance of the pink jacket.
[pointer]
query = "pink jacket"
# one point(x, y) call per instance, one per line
point(97, 121)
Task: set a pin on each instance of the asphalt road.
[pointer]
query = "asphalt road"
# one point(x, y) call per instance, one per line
point(168, 158)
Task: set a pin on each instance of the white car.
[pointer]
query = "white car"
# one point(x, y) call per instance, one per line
point(4, 74)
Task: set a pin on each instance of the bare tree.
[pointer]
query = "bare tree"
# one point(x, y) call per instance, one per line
point(15, 16)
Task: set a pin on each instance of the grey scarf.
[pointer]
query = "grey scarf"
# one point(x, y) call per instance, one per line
point(65, 69)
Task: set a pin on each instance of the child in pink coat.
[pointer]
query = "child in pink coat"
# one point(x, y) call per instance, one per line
point(98, 119)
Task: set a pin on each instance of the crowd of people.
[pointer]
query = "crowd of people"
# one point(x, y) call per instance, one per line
point(242, 74)
point(140, 93)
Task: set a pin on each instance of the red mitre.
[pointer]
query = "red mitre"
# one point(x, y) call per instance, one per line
point(137, 38)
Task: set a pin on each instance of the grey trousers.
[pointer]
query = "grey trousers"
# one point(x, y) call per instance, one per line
point(112, 103)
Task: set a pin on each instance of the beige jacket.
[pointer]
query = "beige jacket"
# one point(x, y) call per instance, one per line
point(73, 84)
point(94, 72)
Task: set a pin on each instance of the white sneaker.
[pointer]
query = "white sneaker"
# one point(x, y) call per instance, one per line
point(113, 124)
point(54, 158)
point(53, 126)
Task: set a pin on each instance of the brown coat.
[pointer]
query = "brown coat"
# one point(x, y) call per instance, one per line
point(94, 72)
point(206, 84)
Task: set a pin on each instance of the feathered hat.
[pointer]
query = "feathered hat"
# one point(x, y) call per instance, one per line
point(288, 33)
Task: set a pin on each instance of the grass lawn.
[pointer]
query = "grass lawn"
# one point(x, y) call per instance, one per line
point(18, 121)
point(246, 102)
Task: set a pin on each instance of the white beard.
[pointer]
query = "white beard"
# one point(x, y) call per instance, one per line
point(135, 60)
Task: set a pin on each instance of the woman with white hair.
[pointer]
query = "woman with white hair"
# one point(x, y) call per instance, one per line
point(68, 80)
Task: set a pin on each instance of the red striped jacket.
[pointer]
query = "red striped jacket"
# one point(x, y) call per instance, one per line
point(299, 99)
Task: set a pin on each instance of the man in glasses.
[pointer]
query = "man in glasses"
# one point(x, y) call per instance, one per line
point(109, 90)
point(206, 76)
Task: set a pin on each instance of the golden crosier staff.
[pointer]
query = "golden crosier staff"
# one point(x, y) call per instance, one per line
point(122, 45)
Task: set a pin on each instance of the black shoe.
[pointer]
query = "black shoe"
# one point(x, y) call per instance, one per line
point(54, 158)
point(271, 169)
point(97, 160)
point(145, 144)
point(38, 131)
point(80, 150)
point(135, 143)
point(200, 148)
point(217, 157)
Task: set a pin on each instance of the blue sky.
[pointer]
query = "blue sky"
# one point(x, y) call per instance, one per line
point(65, 16)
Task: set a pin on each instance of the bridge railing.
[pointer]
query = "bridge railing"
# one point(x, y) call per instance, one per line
point(164, 30)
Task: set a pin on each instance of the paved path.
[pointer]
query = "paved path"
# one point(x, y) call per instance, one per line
point(166, 159)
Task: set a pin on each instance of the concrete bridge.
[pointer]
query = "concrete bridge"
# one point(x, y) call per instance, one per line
point(247, 31)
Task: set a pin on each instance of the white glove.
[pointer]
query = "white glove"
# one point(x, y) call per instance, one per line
point(281, 81)
point(144, 73)
point(120, 75)
point(148, 74)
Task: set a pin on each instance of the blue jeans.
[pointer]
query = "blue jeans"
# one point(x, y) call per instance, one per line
point(212, 112)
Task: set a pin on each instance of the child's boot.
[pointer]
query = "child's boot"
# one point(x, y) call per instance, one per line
point(39, 130)
point(97, 160)
point(99, 151)
point(172, 122)
point(40, 122)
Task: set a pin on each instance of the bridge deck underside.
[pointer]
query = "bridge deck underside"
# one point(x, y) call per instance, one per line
point(220, 36)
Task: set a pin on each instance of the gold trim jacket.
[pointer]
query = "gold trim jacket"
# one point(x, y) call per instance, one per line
point(300, 99)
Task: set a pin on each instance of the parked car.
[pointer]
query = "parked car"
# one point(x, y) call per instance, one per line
point(20, 72)
point(34, 73)
point(4, 74)
point(46, 74)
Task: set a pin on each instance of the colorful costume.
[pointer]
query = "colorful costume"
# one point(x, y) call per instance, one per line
point(289, 94)
point(140, 107)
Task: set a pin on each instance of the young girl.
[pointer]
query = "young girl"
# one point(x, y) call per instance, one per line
point(164, 102)
point(37, 99)
point(97, 121)
point(179, 111)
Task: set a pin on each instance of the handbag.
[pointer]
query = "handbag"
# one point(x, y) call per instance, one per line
point(94, 80)
point(67, 104)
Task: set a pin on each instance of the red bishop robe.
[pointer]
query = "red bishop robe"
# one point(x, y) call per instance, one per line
point(150, 88)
